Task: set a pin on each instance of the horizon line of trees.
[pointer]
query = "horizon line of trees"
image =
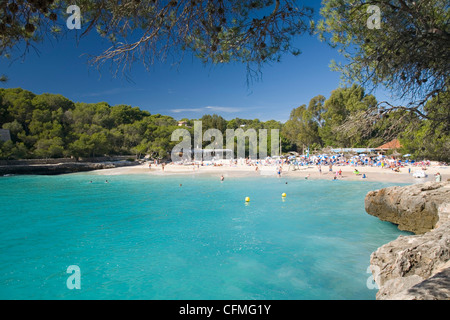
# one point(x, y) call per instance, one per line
point(52, 126)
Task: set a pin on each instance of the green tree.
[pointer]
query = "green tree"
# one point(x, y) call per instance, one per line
point(426, 139)
point(303, 125)
point(15, 128)
point(49, 148)
point(343, 104)
point(408, 54)
point(19, 105)
point(213, 122)
point(215, 31)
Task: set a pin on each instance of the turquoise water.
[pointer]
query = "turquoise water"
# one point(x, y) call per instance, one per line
point(145, 237)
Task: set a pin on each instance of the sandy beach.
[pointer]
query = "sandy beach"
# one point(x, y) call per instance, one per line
point(312, 172)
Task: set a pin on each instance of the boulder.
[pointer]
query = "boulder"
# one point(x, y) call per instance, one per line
point(413, 208)
point(415, 267)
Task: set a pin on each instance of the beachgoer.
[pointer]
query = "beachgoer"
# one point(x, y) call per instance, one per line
point(438, 177)
point(222, 178)
point(106, 181)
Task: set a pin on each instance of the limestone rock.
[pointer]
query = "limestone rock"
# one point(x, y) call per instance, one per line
point(413, 267)
point(402, 266)
point(413, 208)
point(62, 168)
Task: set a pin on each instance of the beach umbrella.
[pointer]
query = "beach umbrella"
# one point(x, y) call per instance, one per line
point(363, 154)
point(407, 155)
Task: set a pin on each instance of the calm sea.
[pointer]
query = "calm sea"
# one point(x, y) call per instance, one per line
point(147, 237)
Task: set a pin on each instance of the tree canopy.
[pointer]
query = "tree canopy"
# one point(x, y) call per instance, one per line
point(215, 31)
point(51, 126)
point(408, 53)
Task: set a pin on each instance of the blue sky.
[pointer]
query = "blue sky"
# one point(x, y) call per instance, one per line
point(189, 90)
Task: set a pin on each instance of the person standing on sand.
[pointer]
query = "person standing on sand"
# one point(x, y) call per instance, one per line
point(438, 177)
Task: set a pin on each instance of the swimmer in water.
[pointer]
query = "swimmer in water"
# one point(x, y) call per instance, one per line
point(221, 178)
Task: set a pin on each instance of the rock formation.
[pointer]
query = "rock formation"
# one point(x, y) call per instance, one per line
point(413, 267)
point(61, 168)
point(414, 208)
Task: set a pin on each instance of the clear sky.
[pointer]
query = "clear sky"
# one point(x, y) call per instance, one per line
point(188, 90)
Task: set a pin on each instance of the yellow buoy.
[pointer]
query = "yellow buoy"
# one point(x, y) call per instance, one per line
point(283, 195)
point(247, 199)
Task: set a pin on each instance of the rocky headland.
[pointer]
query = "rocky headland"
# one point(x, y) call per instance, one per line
point(415, 267)
point(61, 168)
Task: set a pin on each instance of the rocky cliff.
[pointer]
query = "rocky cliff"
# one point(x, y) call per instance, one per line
point(418, 266)
point(414, 208)
point(62, 168)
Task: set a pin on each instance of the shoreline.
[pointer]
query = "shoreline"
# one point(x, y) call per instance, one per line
point(60, 168)
point(414, 267)
point(241, 171)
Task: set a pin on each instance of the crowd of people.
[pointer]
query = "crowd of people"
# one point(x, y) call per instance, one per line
point(294, 163)
point(329, 163)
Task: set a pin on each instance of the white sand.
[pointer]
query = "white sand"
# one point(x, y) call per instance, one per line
point(372, 173)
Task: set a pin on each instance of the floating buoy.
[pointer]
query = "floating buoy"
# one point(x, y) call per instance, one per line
point(247, 199)
point(283, 195)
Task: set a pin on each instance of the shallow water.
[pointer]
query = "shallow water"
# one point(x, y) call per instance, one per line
point(147, 237)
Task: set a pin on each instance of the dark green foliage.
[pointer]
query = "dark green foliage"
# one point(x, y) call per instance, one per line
point(51, 126)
